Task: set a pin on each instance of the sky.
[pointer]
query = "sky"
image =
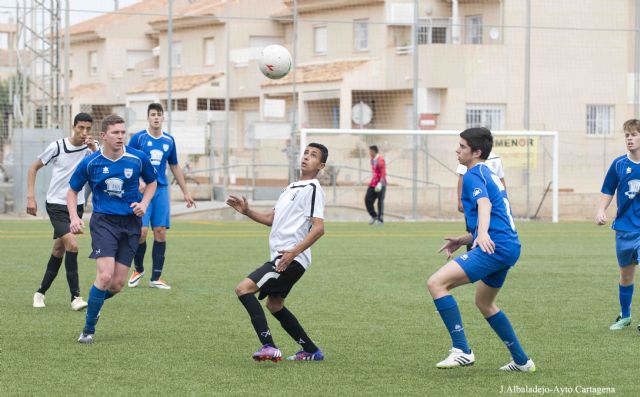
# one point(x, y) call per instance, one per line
point(79, 9)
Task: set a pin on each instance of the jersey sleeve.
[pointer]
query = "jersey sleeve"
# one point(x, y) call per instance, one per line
point(80, 176)
point(610, 181)
point(148, 172)
point(314, 201)
point(499, 170)
point(173, 154)
point(133, 142)
point(475, 186)
point(461, 170)
point(52, 151)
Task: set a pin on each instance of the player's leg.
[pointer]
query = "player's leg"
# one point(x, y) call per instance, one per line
point(369, 199)
point(160, 221)
point(141, 250)
point(53, 266)
point(289, 322)
point(486, 292)
point(381, 195)
point(105, 266)
point(246, 291)
point(440, 285)
point(71, 266)
point(626, 252)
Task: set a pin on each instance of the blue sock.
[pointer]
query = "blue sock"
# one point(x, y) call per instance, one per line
point(501, 325)
point(448, 309)
point(96, 300)
point(626, 294)
point(157, 254)
point(108, 295)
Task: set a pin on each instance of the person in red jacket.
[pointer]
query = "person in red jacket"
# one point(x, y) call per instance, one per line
point(377, 187)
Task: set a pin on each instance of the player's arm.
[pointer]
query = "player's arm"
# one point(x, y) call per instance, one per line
point(32, 206)
point(453, 243)
point(601, 215)
point(460, 208)
point(317, 231)
point(77, 224)
point(241, 205)
point(484, 216)
point(179, 175)
point(141, 208)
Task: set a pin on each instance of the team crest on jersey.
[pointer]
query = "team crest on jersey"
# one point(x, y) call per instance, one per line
point(156, 156)
point(114, 187)
point(149, 143)
point(476, 191)
point(105, 170)
point(634, 188)
point(128, 172)
point(165, 147)
point(628, 170)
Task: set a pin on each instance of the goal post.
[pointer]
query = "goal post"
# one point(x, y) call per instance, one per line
point(438, 146)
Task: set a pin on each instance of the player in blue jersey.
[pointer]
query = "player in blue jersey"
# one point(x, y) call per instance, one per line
point(160, 147)
point(496, 249)
point(114, 174)
point(623, 177)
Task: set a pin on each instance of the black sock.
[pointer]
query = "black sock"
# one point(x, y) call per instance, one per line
point(157, 253)
point(71, 266)
point(52, 271)
point(258, 319)
point(290, 324)
point(138, 259)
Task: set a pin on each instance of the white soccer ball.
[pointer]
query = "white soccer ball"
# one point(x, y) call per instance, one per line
point(275, 62)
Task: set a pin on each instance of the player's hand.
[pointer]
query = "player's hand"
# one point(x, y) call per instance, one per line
point(32, 206)
point(485, 243)
point(601, 218)
point(451, 245)
point(287, 257)
point(139, 209)
point(239, 204)
point(76, 226)
point(91, 144)
point(189, 200)
point(460, 207)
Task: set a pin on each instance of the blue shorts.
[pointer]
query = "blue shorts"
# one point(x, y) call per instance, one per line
point(159, 210)
point(492, 269)
point(114, 236)
point(627, 248)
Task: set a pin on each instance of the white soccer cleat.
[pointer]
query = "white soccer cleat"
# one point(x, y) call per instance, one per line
point(86, 339)
point(38, 300)
point(78, 304)
point(457, 358)
point(160, 283)
point(135, 279)
point(529, 366)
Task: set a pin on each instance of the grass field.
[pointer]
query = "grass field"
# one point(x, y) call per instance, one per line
point(363, 301)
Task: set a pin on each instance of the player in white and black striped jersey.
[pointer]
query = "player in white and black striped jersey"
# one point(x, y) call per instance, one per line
point(63, 155)
point(297, 221)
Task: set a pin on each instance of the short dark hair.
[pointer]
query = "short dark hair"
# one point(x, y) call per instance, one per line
point(479, 138)
point(82, 117)
point(111, 119)
point(374, 148)
point(632, 125)
point(323, 149)
point(154, 106)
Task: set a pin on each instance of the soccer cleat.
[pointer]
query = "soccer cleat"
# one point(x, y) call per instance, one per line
point(372, 221)
point(620, 323)
point(85, 338)
point(134, 280)
point(78, 304)
point(268, 352)
point(38, 300)
point(306, 356)
point(529, 366)
point(457, 358)
point(160, 283)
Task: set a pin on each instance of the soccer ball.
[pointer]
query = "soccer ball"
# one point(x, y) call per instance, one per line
point(275, 62)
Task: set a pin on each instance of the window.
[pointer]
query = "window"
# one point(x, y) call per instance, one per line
point(178, 105)
point(93, 63)
point(210, 104)
point(473, 29)
point(361, 34)
point(320, 39)
point(4, 41)
point(489, 116)
point(209, 51)
point(177, 54)
point(600, 120)
point(434, 31)
point(136, 56)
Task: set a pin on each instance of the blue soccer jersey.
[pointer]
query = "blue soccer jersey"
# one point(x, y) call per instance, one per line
point(161, 150)
point(114, 183)
point(624, 177)
point(480, 182)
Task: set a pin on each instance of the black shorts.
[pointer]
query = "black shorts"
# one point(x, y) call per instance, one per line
point(273, 283)
point(115, 236)
point(59, 217)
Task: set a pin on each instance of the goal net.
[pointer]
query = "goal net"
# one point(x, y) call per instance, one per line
point(421, 170)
